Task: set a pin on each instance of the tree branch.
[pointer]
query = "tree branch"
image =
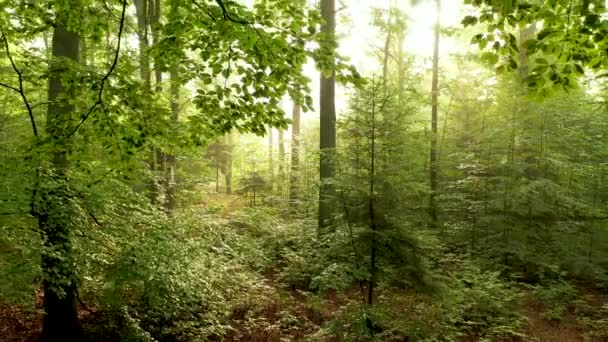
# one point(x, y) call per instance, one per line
point(201, 8)
point(20, 89)
point(105, 78)
point(9, 87)
point(227, 14)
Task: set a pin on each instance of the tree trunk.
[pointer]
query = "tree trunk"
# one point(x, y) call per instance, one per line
point(327, 143)
point(171, 180)
point(281, 162)
point(228, 162)
point(372, 217)
point(160, 156)
point(142, 10)
point(295, 155)
point(271, 158)
point(433, 167)
point(387, 46)
point(60, 280)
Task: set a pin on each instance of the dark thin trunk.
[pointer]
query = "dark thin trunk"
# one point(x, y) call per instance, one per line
point(327, 143)
point(433, 167)
point(60, 279)
point(372, 218)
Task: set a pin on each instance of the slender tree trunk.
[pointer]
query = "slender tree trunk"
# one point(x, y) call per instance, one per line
point(217, 179)
point(327, 142)
point(433, 167)
point(60, 280)
point(387, 45)
point(372, 217)
point(171, 178)
point(271, 157)
point(295, 155)
point(281, 161)
point(228, 164)
point(142, 10)
point(159, 155)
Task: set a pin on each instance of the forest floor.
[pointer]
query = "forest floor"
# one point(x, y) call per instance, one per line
point(303, 313)
point(19, 325)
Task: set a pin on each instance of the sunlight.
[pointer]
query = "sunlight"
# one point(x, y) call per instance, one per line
point(419, 39)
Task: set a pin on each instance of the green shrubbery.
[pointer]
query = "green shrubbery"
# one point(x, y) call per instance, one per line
point(180, 277)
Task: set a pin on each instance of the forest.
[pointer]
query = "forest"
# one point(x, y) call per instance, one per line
point(293, 170)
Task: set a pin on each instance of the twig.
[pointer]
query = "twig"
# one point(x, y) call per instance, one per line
point(43, 103)
point(105, 78)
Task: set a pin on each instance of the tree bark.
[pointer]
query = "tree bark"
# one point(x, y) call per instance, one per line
point(433, 167)
point(60, 279)
point(327, 143)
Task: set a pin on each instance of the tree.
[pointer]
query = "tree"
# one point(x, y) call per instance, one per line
point(271, 160)
point(433, 164)
point(146, 11)
point(371, 192)
point(171, 178)
point(281, 161)
point(56, 209)
point(327, 109)
point(561, 50)
point(295, 155)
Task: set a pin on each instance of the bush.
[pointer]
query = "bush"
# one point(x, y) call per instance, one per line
point(179, 278)
point(481, 304)
point(555, 296)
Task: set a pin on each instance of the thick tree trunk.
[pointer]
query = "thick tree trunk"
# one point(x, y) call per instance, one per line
point(433, 167)
point(60, 280)
point(327, 143)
